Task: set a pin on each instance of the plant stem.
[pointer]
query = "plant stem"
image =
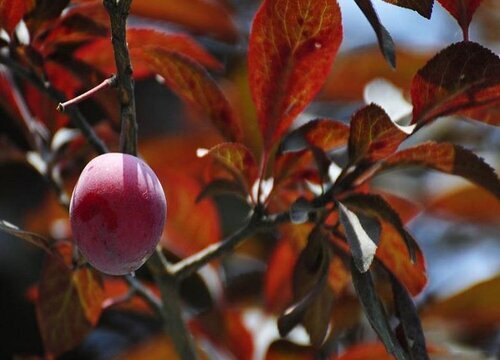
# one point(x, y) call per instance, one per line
point(118, 14)
point(109, 82)
point(144, 293)
point(171, 312)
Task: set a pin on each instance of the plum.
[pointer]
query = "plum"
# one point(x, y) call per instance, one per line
point(117, 212)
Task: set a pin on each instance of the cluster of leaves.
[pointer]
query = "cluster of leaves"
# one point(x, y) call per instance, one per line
point(339, 228)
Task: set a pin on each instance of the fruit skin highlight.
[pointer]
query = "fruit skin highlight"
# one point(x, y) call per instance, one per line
point(117, 213)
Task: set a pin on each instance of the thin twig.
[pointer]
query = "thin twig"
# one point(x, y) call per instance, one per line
point(76, 116)
point(109, 82)
point(147, 295)
point(118, 13)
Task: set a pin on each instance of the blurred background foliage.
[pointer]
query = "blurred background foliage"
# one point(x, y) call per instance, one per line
point(458, 228)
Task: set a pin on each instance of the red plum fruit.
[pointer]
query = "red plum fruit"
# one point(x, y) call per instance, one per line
point(117, 212)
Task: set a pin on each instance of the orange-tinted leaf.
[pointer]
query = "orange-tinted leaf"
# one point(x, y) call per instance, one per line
point(385, 42)
point(201, 16)
point(286, 350)
point(227, 331)
point(462, 11)
point(237, 159)
point(339, 275)
point(325, 134)
point(366, 352)
point(466, 203)
point(373, 135)
point(99, 53)
point(423, 7)
point(279, 274)
point(12, 11)
point(474, 309)
point(278, 291)
point(292, 46)
point(68, 306)
point(191, 226)
point(158, 348)
point(195, 86)
point(464, 76)
point(393, 253)
point(354, 69)
point(448, 158)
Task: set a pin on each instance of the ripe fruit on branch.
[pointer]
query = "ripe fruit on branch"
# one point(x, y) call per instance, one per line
point(117, 213)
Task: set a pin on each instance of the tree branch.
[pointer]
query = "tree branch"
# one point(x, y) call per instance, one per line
point(254, 225)
point(118, 13)
point(109, 82)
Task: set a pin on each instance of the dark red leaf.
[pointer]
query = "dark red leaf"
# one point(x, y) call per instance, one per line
point(286, 350)
point(448, 158)
point(99, 53)
point(325, 134)
point(195, 86)
point(463, 77)
point(238, 160)
point(385, 42)
point(462, 11)
point(373, 135)
point(12, 11)
point(202, 16)
point(292, 46)
point(43, 11)
point(69, 304)
point(423, 7)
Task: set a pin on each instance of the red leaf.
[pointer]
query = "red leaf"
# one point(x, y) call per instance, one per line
point(373, 135)
point(195, 86)
point(43, 11)
point(462, 11)
point(12, 11)
point(99, 53)
point(69, 304)
point(448, 158)
point(201, 16)
point(466, 204)
point(463, 77)
point(423, 7)
point(292, 46)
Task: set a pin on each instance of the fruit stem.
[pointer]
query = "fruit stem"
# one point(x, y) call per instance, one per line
point(109, 82)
